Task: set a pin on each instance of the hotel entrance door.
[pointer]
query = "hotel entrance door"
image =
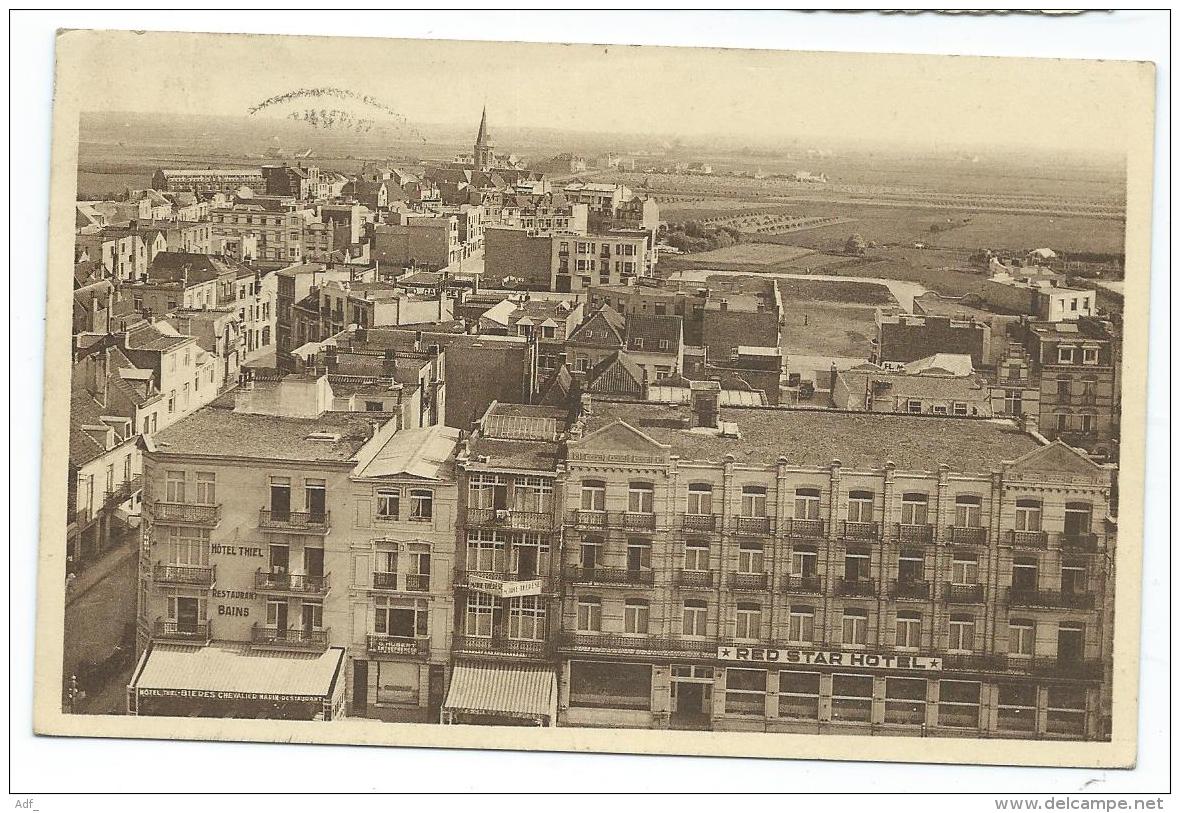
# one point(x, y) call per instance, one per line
point(692, 697)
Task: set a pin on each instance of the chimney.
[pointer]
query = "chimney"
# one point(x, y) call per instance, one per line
point(330, 359)
point(417, 341)
point(705, 401)
point(832, 378)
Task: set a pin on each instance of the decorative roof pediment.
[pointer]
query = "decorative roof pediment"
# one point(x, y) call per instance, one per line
point(618, 441)
point(1057, 462)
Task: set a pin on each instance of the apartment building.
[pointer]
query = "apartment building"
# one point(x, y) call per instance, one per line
point(1047, 300)
point(903, 337)
point(207, 181)
point(772, 570)
point(547, 213)
point(507, 570)
point(944, 384)
point(277, 232)
point(618, 258)
point(294, 284)
point(420, 240)
point(1075, 365)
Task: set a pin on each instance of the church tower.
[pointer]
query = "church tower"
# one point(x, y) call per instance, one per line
point(483, 152)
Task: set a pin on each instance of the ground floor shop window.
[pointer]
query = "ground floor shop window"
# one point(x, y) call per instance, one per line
point(852, 698)
point(905, 701)
point(798, 695)
point(1067, 710)
point(958, 703)
point(398, 682)
point(1017, 708)
point(594, 684)
point(745, 691)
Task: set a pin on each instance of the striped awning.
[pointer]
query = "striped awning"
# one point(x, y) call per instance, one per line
point(236, 673)
point(510, 691)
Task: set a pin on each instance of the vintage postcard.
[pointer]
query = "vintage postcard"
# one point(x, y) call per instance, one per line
point(598, 398)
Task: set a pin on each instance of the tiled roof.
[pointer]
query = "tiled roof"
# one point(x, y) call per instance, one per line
point(172, 266)
point(651, 329)
point(148, 337)
point(816, 437)
point(531, 455)
point(219, 431)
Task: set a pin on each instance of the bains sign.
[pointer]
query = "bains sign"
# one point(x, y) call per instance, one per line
point(808, 657)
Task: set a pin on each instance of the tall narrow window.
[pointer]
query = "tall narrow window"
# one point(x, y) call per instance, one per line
point(421, 505)
point(526, 618)
point(909, 630)
point(174, 486)
point(749, 621)
point(860, 506)
point(751, 558)
point(316, 497)
point(388, 503)
point(801, 624)
point(695, 617)
point(753, 501)
point(807, 503)
point(1028, 515)
point(593, 495)
point(696, 555)
point(1022, 637)
point(913, 509)
point(962, 633)
point(700, 499)
point(855, 627)
point(589, 614)
point(640, 498)
point(968, 511)
point(636, 616)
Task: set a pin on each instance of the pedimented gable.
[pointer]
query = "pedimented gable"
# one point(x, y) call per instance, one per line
point(1057, 461)
point(615, 439)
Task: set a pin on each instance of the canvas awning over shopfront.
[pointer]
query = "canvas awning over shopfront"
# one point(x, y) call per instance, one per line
point(521, 692)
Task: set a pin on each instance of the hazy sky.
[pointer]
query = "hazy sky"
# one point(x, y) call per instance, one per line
point(760, 95)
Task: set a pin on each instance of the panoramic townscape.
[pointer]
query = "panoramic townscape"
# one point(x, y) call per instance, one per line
point(648, 435)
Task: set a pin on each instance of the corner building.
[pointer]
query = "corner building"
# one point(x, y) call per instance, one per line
point(821, 572)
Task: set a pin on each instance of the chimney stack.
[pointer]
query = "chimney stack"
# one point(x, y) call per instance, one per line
point(705, 400)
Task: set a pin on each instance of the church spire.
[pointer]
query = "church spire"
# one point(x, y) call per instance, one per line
point(481, 138)
point(483, 152)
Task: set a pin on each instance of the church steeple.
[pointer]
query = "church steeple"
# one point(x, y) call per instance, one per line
point(483, 151)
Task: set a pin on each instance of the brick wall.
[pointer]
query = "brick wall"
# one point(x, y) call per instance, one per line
point(512, 253)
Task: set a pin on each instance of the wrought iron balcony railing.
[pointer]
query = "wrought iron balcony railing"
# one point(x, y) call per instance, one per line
point(910, 589)
point(803, 584)
point(185, 513)
point(915, 534)
point(304, 522)
point(200, 632)
point(960, 535)
point(749, 581)
point(870, 531)
point(856, 587)
point(281, 582)
point(378, 644)
point(963, 593)
point(194, 575)
point(1029, 597)
point(291, 638)
point(1028, 539)
point(580, 574)
point(694, 578)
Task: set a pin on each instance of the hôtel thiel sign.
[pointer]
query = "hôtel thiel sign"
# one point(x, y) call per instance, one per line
point(817, 657)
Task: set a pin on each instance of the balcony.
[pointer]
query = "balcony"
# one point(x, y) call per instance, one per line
point(266, 581)
point(188, 575)
point(856, 587)
point(804, 528)
point(297, 522)
point(294, 638)
point(634, 521)
point(578, 574)
point(910, 590)
point(961, 535)
point(384, 581)
point(1079, 542)
point(812, 585)
point(501, 646)
point(377, 644)
point(122, 493)
point(176, 513)
point(1057, 599)
point(972, 662)
point(915, 534)
point(418, 582)
point(706, 523)
point(506, 518)
point(749, 581)
point(867, 531)
point(752, 526)
point(963, 593)
point(1028, 539)
point(463, 577)
point(694, 578)
point(1048, 666)
point(196, 632)
point(588, 519)
point(620, 644)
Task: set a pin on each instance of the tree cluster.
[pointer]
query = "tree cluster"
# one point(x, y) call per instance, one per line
point(693, 236)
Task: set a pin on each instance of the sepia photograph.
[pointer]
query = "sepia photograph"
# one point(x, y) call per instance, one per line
point(581, 397)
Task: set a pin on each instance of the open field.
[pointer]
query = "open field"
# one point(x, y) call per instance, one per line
point(795, 291)
point(753, 253)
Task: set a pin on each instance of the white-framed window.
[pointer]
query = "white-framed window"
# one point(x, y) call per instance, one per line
point(640, 498)
point(914, 508)
point(962, 633)
point(398, 682)
point(968, 511)
point(700, 499)
point(753, 501)
point(589, 614)
point(206, 488)
point(636, 616)
point(389, 503)
point(696, 555)
point(1065, 355)
point(964, 569)
point(526, 618)
point(852, 698)
point(751, 557)
point(401, 617)
point(1028, 514)
point(905, 701)
point(855, 627)
point(801, 624)
point(1089, 355)
point(1066, 710)
point(188, 546)
point(485, 551)
point(593, 495)
point(1022, 637)
point(958, 408)
point(590, 551)
point(958, 703)
point(695, 618)
point(478, 615)
point(860, 506)
point(749, 621)
point(804, 561)
point(532, 494)
point(1017, 707)
point(909, 630)
point(421, 505)
point(913, 405)
point(807, 503)
point(276, 613)
point(745, 691)
point(798, 695)
point(174, 486)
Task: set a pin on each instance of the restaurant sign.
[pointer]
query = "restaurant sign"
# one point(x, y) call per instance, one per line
point(505, 589)
point(206, 694)
point(813, 657)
